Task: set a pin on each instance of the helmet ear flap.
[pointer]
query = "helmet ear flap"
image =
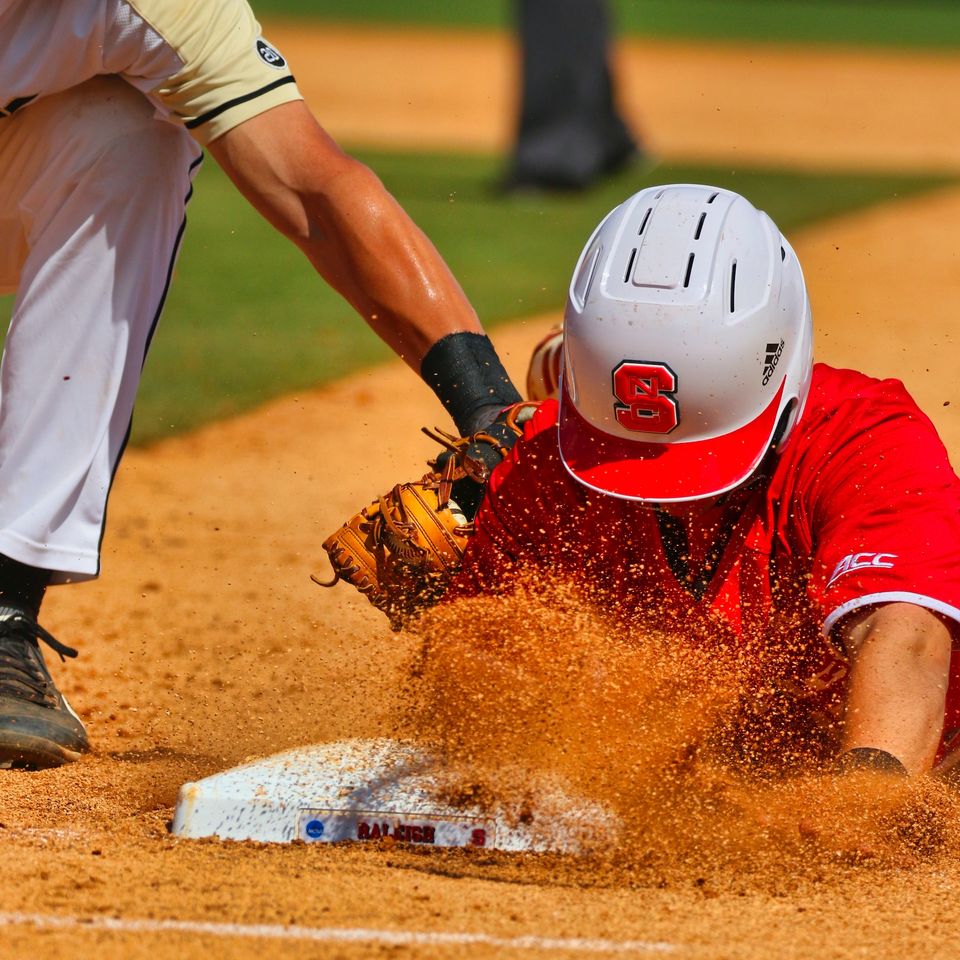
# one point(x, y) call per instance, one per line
point(784, 425)
point(788, 417)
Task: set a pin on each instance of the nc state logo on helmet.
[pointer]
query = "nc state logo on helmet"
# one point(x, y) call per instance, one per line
point(688, 346)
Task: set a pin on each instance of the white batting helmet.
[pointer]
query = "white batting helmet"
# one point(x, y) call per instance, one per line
point(688, 346)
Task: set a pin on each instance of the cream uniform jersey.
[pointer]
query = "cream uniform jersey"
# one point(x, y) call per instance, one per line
point(202, 64)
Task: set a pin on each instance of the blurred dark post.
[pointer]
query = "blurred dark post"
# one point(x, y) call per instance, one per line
point(569, 132)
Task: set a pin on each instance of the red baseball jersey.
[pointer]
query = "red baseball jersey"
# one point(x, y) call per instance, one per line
point(862, 507)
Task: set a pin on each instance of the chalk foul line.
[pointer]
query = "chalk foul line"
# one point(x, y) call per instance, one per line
point(330, 934)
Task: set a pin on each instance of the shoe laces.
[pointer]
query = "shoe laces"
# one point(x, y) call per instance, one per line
point(23, 673)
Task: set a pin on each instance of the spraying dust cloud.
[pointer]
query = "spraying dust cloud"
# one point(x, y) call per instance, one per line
point(701, 766)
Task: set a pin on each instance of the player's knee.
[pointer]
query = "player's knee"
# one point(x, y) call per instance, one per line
point(155, 158)
point(115, 137)
point(139, 150)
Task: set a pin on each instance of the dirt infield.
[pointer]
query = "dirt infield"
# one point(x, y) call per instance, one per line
point(754, 104)
point(204, 643)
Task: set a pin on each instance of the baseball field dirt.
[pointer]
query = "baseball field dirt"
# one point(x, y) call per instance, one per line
point(205, 642)
point(763, 105)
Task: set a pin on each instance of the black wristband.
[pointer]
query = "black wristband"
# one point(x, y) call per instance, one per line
point(870, 758)
point(466, 374)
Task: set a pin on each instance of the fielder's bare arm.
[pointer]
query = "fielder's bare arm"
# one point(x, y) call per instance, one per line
point(104, 108)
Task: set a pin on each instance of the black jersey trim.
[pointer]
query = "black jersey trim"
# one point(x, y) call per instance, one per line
point(236, 101)
point(14, 105)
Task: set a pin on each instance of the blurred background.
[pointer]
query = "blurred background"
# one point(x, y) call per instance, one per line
point(817, 110)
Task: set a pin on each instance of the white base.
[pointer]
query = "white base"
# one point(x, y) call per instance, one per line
point(358, 790)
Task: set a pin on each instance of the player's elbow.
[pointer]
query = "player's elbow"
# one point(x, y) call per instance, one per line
point(338, 205)
point(297, 176)
point(918, 636)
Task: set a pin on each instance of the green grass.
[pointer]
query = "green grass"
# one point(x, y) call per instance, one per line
point(910, 23)
point(247, 319)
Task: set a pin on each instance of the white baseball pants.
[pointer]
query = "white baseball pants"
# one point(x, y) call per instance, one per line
point(93, 190)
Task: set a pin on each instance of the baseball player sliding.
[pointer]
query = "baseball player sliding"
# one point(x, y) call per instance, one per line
point(701, 475)
point(104, 108)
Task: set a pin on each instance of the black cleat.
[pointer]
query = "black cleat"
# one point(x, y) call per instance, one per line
point(38, 728)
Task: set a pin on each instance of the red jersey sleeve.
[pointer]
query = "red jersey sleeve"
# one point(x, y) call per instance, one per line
point(872, 486)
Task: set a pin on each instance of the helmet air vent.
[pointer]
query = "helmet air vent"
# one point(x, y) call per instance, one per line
point(733, 287)
point(643, 223)
point(686, 278)
point(712, 197)
point(783, 254)
point(584, 278)
point(703, 216)
point(630, 263)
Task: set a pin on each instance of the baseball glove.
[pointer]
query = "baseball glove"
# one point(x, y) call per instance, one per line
point(402, 550)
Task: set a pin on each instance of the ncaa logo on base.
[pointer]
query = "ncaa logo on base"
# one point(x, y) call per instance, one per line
point(859, 561)
point(314, 829)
